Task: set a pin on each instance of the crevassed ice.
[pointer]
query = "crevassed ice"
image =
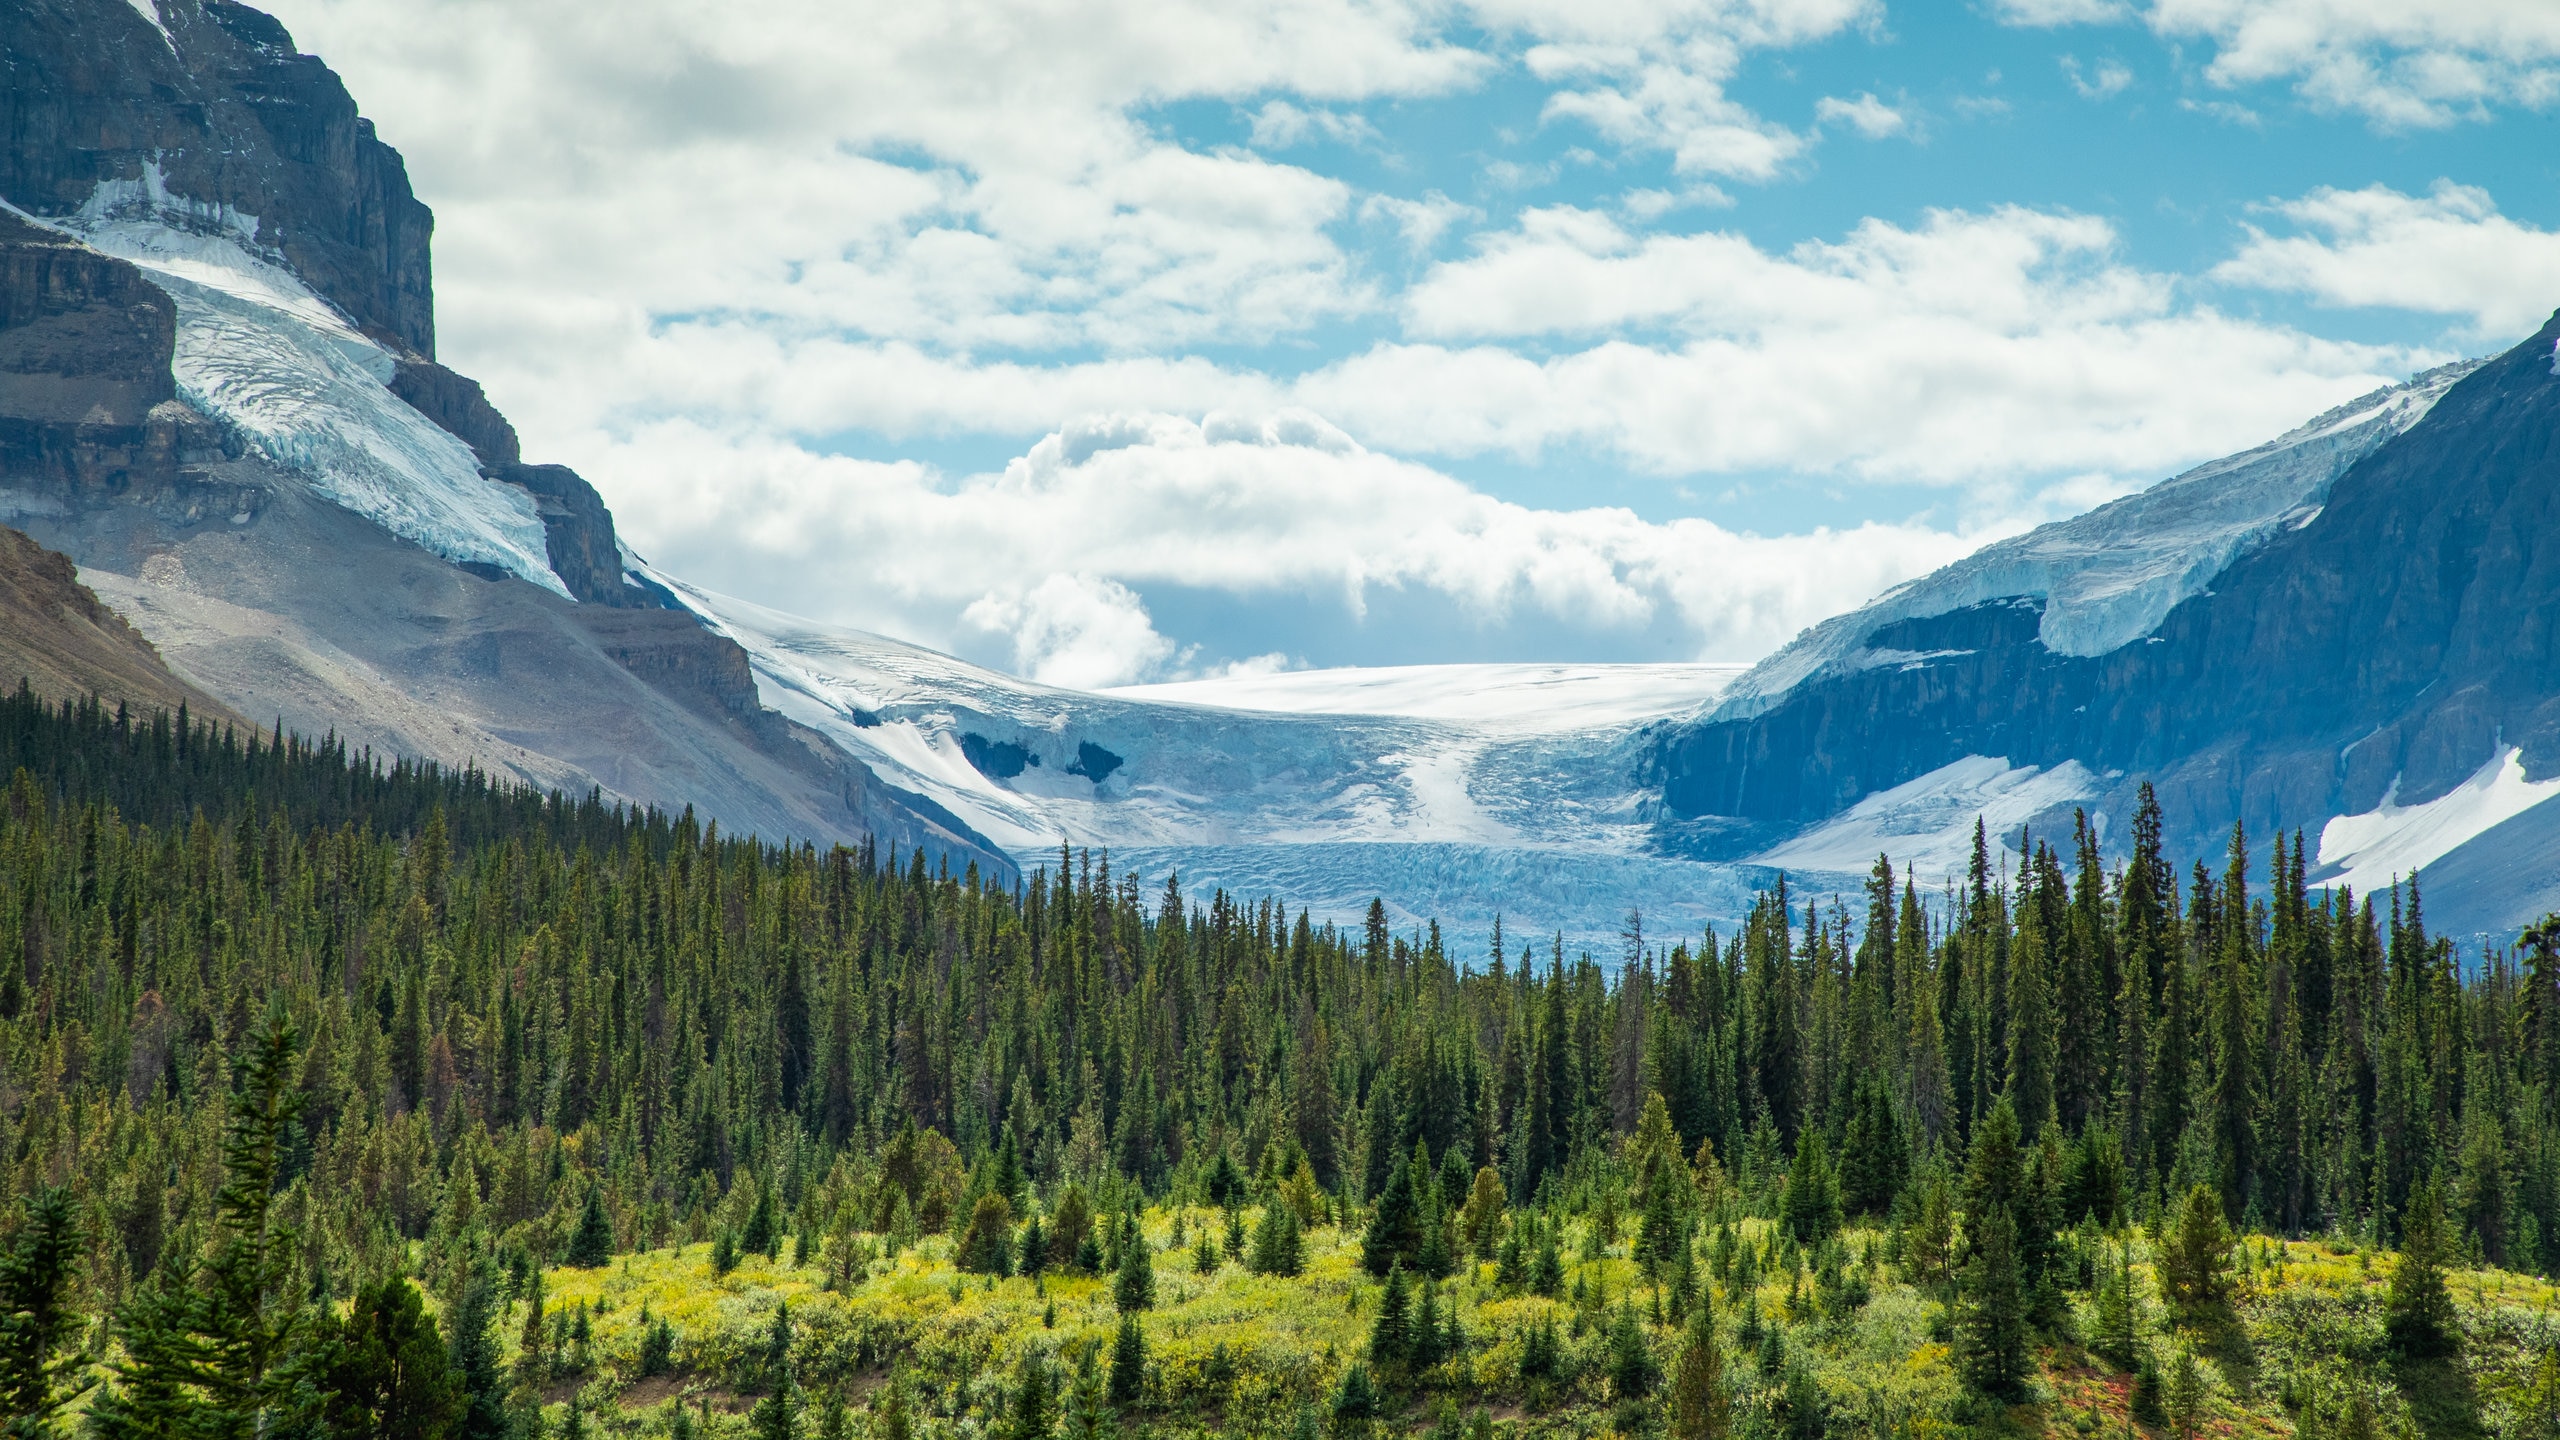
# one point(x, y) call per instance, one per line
point(259, 350)
point(2109, 577)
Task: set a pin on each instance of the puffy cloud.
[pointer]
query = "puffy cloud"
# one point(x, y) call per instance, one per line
point(2402, 65)
point(2448, 252)
point(2110, 79)
point(1866, 114)
point(1972, 347)
point(1276, 505)
point(1075, 630)
point(1657, 74)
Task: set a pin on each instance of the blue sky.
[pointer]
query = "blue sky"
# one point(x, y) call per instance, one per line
point(1109, 341)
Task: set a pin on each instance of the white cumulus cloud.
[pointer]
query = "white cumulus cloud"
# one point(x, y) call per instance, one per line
point(2448, 252)
point(1866, 114)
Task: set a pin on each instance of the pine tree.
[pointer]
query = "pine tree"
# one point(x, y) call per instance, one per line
point(2420, 1317)
point(2119, 1320)
point(389, 1375)
point(891, 1420)
point(986, 1247)
point(2195, 1265)
point(592, 1246)
point(40, 1373)
point(1701, 1402)
point(1128, 1364)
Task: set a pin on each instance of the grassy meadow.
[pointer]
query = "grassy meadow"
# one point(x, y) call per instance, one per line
point(1230, 1353)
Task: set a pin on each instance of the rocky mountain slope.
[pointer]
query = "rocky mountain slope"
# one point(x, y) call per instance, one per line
point(2376, 661)
point(219, 396)
point(65, 644)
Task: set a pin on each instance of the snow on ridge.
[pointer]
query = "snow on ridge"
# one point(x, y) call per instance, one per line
point(2110, 576)
point(2391, 842)
point(260, 351)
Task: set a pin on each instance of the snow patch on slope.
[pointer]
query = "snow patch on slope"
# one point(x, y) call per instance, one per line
point(1926, 825)
point(2391, 842)
point(151, 12)
point(258, 350)
point(2109, 577)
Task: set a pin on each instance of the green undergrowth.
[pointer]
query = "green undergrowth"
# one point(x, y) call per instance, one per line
point(1229, 1353)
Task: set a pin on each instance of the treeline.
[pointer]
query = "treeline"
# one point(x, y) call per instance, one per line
point(496, 1028)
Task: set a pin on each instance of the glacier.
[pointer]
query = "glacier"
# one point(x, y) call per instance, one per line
point(263, 354)
point(1452, 793)
point(2110, 576)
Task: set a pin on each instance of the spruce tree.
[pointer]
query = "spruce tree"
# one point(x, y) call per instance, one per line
point(591, 1247)
point(1395, 1225)
point(1992, 1308)
point(1134, 1287)
point(1391, 1334)
point(1701, 1402)
point(40, 1372)
point(1128, 1364)
point(2420, 1317)
point(1813, 1192)
point(1029, 1417)
point(214, 1350)
point(763, 1235)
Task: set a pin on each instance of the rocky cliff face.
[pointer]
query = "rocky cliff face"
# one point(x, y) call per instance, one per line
point(2387, 645)
point(98, 106)
point(579, 530)
point(86, 398)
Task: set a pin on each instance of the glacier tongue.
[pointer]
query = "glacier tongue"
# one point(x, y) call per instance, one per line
point(261, 352)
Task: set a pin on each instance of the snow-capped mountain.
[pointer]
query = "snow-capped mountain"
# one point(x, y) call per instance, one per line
point(2353, 631)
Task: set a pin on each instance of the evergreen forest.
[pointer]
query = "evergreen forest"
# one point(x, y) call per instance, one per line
point(347, 1097)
